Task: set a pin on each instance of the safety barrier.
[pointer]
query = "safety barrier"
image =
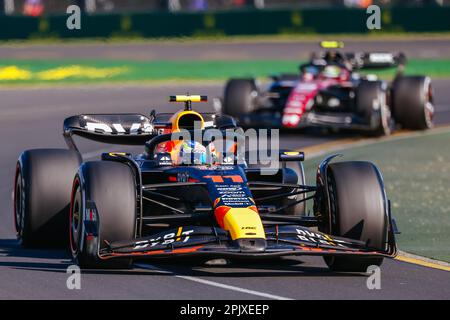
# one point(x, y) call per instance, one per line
point(242, 22)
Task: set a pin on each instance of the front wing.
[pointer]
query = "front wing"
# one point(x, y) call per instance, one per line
point(213, 242)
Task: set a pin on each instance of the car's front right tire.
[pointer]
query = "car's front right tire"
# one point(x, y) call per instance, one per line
point(358, 211)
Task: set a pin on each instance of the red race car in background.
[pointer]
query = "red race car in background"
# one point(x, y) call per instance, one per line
point(329, 92)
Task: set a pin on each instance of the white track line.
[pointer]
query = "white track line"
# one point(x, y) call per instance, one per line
point(216, 284)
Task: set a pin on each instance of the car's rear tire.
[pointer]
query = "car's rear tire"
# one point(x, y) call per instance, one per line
point(412, 101)
point(111, 187)
point(42, 186)
point(239, 97)
point(358, 210)
point(371, 104)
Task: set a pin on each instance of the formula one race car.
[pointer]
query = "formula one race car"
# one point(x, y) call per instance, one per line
point(329, 92)
point(183, 197)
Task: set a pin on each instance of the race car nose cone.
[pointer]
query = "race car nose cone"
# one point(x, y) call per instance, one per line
point(252, 245)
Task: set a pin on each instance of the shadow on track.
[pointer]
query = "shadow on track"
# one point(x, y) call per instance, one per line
point(278, 267)
point(47, 260)
point(58, 261)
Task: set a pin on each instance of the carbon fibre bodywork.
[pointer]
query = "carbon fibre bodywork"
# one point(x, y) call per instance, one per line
point(228, 210)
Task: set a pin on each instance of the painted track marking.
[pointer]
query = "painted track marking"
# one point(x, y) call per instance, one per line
point(422, 261)
point(337, 145)
point(215, 284)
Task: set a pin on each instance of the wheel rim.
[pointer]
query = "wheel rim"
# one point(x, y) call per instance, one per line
point(19, 203)
point(75, 218)
point(385, 120)
point(385, 116)
point(250, 99)
point(429, 110)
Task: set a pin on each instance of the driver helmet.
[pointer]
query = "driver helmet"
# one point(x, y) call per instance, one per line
point(310, 72)
point(191, 152)
point(331, 72)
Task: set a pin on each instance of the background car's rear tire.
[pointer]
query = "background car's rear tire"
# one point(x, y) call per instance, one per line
point(371, 103)
point(412, 102)
point(111, 187)
point(43, 182)
point(223, 122)
point(358, 210)
point(239, 97)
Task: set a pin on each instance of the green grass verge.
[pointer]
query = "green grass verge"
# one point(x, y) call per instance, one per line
point(96, 71)
point(417, 176)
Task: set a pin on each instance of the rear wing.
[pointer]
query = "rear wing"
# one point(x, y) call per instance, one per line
point(376, 60)
point(128, 128)
point(360, 60)
point(122, 128)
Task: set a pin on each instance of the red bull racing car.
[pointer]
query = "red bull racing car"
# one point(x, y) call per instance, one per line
point(182, 197)
point(330, 92)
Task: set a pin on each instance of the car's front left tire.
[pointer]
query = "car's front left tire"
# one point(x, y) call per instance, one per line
point(239, 97)
point(110, 187)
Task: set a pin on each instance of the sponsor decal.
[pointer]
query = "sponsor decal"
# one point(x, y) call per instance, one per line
point(381, 58)
point(168, 238)
point(164, 159)
point(233, 195)
point(318, 238)
point(302, 87)
point(117, 128)
point(182, 177)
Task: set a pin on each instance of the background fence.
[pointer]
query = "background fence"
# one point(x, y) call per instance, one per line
point(246, 21)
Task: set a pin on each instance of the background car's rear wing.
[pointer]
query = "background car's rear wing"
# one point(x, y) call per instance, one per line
point(360, 60)
point(376, 60)
point(125, 128)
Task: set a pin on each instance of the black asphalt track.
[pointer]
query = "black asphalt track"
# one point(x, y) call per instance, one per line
point(32, 118)
point(413, 47)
